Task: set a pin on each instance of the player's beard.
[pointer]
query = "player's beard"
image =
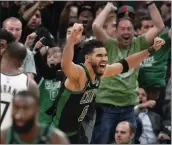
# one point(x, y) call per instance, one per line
point(95, 68)
point(26, 128)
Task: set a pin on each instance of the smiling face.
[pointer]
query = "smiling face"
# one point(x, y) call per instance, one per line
point(98, 60)
point(125, 33)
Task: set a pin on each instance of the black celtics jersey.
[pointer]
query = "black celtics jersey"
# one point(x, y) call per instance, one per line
point(72, 106)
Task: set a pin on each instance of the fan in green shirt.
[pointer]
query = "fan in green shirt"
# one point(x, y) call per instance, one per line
point(153, 69)
point(49, 88)
point(118, 94)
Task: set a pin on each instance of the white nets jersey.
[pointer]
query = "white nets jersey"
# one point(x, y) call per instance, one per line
point(10, 85)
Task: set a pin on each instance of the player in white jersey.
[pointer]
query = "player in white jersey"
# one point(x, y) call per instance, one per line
point(13, 80)
point(10, 85)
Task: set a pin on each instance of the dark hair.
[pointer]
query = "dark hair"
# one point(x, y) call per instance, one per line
point(26, 93)
point(86, 7)
point(121, 19)
point(16, 50)
point(56, 49)
point(5, 35)
point(139, 21)
point(144, 88)
point(90, 45)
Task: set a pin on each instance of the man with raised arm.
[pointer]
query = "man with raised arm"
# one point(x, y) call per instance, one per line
point(121, 99)
point(83, 80)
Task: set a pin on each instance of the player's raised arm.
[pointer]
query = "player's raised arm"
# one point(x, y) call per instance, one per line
point(70, 69)
point(132, 61)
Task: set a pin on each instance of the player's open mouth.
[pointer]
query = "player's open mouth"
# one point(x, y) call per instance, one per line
point(102, 65)
point(20, 123)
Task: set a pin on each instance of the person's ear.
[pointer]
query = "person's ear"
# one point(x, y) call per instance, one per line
point(87, 59)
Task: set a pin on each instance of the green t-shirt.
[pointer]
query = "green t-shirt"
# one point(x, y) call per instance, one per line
point(122, 89)
point(153, 68)
point(48, 92)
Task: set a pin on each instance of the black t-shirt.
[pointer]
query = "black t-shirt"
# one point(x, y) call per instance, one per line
point(43, 70)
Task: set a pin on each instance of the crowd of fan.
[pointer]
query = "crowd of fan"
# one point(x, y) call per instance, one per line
point(43, 28)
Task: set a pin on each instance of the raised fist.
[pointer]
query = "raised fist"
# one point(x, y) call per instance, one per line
point(111, 6)
point(158, 42)
point(76, 33)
